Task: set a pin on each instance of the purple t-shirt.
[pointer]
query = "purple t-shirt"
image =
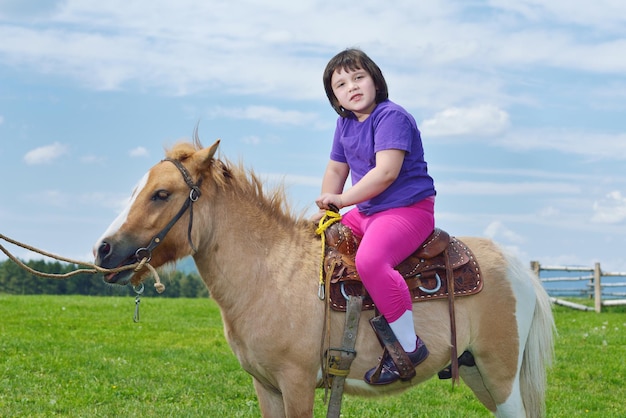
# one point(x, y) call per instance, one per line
point(388, 127)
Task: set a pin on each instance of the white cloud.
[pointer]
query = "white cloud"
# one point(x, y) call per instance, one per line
point(549, 212)
point(251, 140)
point(16, 9)
point(92, 159)
point(1, 119)
point(595, 145)
point(487, 188)
point(610, 13)
point(108, 44)
point(265, 114)
point(293, 179)
point(611, 209)
point(53, 197)
point(114, 201)
point(496, 230)
point(45, 154)
point(138, 152)
point(514, 171)
point(483, 120)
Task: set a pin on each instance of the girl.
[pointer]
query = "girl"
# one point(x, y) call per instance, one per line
point(378, 143)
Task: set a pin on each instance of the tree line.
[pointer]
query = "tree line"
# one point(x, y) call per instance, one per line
point(17, 281)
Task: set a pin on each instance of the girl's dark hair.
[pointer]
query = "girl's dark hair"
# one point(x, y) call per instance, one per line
point(353, 59)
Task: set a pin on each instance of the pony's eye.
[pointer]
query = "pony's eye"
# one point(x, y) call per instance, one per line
point(161, 195)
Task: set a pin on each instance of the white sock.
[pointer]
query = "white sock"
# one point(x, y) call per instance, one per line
point(404, 329)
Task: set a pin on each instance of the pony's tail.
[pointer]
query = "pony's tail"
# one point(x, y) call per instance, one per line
point(538, 353)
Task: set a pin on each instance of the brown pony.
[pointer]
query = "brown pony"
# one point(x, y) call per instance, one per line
point(261, 265)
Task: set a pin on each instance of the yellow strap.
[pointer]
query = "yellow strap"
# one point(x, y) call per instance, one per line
point(327, 220)
point(338, 372)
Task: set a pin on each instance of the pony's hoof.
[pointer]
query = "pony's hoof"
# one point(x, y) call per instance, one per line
point(465, 359)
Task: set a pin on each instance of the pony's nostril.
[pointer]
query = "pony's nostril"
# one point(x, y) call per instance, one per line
point(104, 250)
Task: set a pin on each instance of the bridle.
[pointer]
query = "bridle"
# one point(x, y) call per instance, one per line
point(194, 194)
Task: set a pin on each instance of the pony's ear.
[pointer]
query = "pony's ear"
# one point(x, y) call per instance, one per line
point(204, 157)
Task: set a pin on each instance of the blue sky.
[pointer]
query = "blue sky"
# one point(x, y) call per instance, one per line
point(521, 104)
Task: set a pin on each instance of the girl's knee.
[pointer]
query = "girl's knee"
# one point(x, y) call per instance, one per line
point(364, 264)
point(370, 268)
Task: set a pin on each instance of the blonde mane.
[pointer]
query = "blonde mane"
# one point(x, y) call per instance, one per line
point(241, 181)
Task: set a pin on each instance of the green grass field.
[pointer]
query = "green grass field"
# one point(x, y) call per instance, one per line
point(84, 356)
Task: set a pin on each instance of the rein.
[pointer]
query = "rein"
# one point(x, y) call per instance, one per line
point(194, 194)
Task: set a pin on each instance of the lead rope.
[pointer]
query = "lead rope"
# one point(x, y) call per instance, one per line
point(94, 269)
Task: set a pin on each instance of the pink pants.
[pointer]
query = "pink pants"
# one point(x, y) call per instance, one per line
point(389, 237)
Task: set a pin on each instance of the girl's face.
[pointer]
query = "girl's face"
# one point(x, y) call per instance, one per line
point(355, 91)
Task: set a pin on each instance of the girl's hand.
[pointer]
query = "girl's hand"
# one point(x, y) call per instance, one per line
point(315, 218)
point(326, 200)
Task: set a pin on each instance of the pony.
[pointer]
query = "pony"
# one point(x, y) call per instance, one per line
point(261, 265)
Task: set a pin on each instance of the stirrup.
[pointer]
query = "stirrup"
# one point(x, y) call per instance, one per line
point(393, 349)
point(387, 372)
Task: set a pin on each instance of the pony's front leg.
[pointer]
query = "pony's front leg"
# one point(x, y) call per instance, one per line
point(270, 401)
point(295, 402)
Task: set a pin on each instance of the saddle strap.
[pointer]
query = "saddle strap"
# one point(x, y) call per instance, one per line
point(346, 355)
point(388, 339)
point(454, 358)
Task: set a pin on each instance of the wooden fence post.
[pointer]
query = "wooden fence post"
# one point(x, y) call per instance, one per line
point(534, 265)
point(597, 288)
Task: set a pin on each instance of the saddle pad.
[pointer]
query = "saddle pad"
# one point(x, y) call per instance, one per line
point(426, 281)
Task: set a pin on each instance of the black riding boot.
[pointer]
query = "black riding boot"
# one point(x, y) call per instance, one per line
point(395, 363)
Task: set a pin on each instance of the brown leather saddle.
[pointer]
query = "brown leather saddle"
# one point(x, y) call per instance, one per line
point(425, 271)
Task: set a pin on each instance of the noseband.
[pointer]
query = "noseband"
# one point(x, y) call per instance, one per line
point(194, 194)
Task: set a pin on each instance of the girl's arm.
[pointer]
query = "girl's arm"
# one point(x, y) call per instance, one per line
point(332, 184)
point(388, 165)
point(335, 177)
